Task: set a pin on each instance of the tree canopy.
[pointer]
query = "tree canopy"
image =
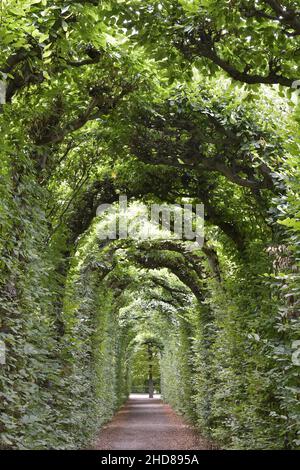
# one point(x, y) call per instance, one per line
point(165, 102)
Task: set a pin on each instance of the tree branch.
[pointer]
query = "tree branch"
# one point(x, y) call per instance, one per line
point(204, 47)
point(214, 164)
point(271, 79)
point(175, 265)
point(286, 16)
point(104, 104)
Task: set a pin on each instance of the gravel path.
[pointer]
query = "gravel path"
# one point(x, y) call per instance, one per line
point(148, 424)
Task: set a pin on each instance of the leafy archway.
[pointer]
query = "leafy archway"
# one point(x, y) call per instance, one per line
point(164, 102)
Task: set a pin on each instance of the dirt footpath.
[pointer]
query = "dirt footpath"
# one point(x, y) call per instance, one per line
point(148, 424)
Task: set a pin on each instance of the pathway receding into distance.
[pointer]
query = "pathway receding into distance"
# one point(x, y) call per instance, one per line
point(148, 424)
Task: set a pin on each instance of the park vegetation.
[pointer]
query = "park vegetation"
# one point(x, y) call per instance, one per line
point(166, 101)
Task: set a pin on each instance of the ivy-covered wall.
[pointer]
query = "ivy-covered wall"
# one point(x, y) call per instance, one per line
point(152, 100)
point(224, 375)
point(59, 387)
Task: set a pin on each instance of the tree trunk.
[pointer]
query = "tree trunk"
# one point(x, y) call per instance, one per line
point(150, 376)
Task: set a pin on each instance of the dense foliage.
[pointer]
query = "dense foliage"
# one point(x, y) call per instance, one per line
point(166, 102)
